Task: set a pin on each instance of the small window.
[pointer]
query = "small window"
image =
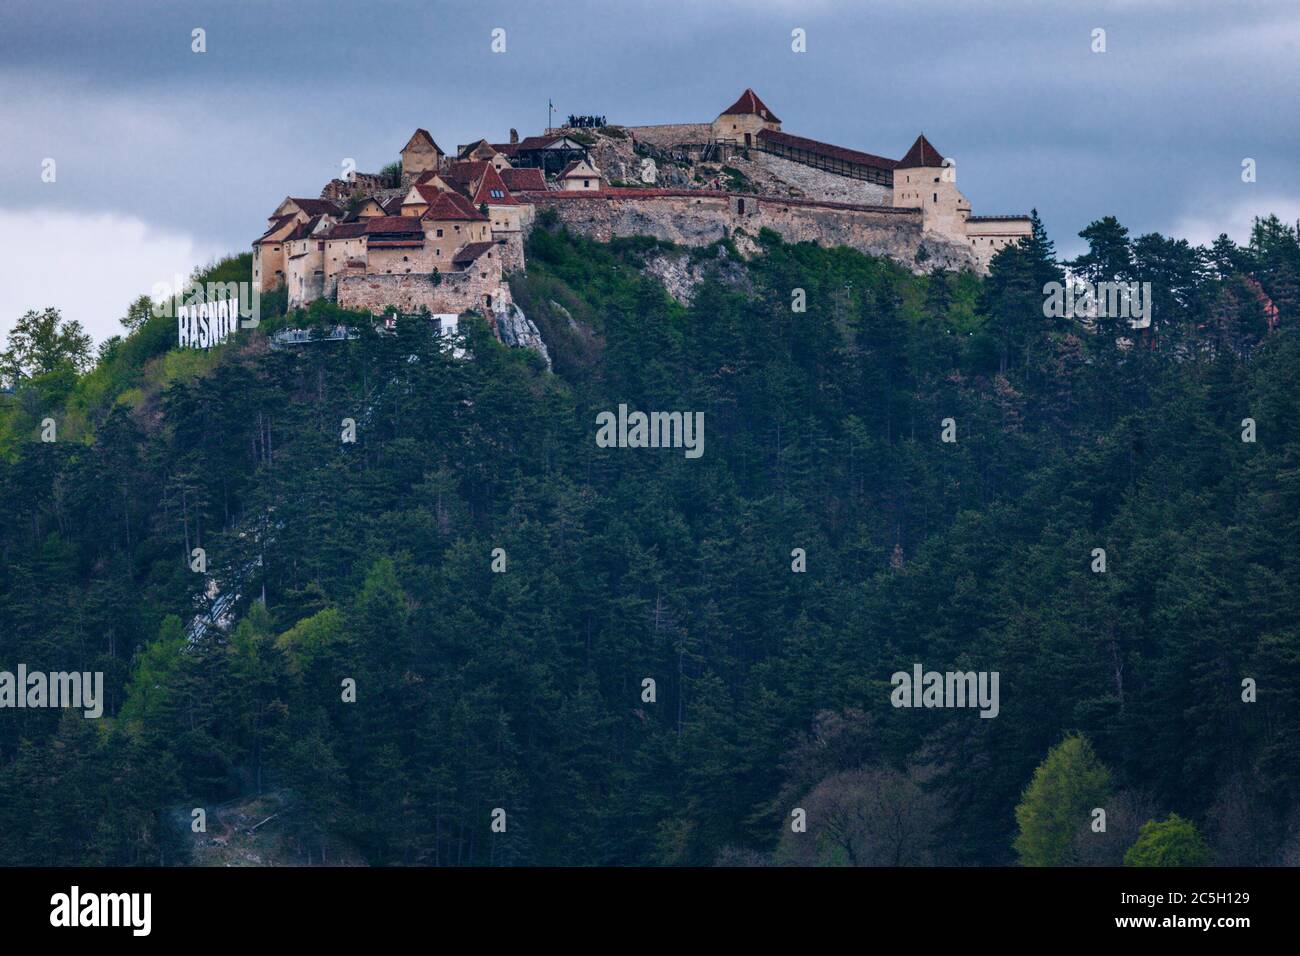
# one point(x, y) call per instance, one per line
point(936, 197)
point(439, 233)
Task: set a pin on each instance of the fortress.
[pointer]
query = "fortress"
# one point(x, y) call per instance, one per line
point(445, 231)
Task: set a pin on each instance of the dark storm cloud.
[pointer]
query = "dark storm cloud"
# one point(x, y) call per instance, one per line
point(1153, 130)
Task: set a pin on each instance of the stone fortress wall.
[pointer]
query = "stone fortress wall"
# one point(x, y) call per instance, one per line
point(699, 217)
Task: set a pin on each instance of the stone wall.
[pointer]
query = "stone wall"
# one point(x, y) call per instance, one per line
point(671, 134)
point(457, 292)
point(699, 217)
point(340, 190)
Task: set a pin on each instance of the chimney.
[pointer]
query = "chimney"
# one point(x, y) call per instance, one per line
point(514, 135)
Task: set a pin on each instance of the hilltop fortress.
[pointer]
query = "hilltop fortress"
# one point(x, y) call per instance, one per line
point(445, 231)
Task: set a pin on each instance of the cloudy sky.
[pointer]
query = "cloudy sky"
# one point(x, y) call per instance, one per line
point(166, 158)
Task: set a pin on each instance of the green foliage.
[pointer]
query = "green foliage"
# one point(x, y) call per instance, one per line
point(735, 181)
point(522, 690)
point(1067, 785)
point(42, 343)
point(1171, 842)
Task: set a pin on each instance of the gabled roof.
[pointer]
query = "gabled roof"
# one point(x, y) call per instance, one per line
point(393, 206)
point(546, 142)
point(450, 207)
point(276, 225)
point(521, 179)
point(470, 147)
point(749, 103)
point(467, 171)
point(470, 252)
point(426, 191)
point(921, 154)
point(826, 149)
point(570, 170)
point(316, 207)
point(304, 229)
point(421, 135)
point(490, 182)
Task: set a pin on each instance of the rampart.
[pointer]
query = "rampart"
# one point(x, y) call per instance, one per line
point(456, 292)
point(696, 217)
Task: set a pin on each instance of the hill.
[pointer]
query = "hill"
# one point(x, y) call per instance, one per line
point(524, 689)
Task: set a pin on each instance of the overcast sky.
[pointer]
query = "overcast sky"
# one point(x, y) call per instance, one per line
point(166, 158)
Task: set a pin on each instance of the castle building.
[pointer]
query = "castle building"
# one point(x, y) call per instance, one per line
point(923, 179)
point(742, 121)
point(419, 155)
point(580, 175)
point(285, 229)
point(446, 237)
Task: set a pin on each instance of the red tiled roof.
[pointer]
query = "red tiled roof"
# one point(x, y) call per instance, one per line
point(826, 149)
point(470, 147)
point(347, 230)
point(303, 229)
point(536, 142)
point(490, 182)
point(427, 192)
point(467, 170)
point(749, 103)
point(393, 224)
point(922, 153)
point(453, 207)
point(470, 253)
point(316, 207)
point(279, 222)
point(516, 179)
point(574, 165)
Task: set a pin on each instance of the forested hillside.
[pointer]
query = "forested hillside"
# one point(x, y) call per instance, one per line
point(523, 689)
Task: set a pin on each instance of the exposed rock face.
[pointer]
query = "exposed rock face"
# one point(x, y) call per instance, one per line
point(817, 183)
point(680, 275)
point(615, 156)
point(514, 328)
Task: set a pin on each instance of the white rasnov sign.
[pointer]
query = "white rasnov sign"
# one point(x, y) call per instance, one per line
point(202, 325)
